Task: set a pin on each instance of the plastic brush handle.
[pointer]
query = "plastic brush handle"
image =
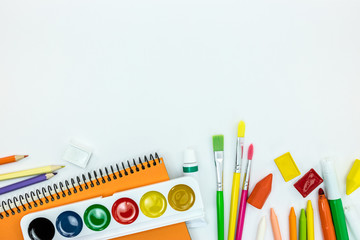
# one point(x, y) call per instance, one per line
point(241, 218)
point(234, 205)
point(338, 216)
point(220, 214)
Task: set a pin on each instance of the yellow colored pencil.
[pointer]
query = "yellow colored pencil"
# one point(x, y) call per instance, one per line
point(30, 172)
point(236, 180)
point(310, 221)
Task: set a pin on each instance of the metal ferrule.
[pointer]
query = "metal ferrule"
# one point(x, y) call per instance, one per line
point(247, 176)
point(239, 149)
point(219, 164)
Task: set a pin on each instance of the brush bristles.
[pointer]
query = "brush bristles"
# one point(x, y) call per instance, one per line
point(250, 152)
point(218, 143)
point(241, 129)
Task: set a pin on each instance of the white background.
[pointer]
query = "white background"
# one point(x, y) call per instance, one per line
point(132, 77)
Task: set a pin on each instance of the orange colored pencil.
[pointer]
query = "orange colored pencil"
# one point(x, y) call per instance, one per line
point(325, 217)
point(292, 225)
point(13, 158)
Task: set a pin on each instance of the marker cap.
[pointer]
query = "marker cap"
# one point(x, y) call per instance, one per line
point(330, 179)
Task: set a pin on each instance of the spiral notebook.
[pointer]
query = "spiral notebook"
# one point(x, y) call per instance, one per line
point(104, 182)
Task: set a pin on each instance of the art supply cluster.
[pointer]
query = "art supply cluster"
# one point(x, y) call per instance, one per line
point(137, 198)
point(334, 217)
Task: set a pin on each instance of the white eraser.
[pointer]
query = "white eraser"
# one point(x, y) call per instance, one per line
point(77, 154)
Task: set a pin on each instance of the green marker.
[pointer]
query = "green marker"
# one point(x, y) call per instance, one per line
point(334, 198)
point(302, 225)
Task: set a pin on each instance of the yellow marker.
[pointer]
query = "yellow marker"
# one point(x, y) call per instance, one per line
point(287, 167)
point(30, 172)
point(236, 180)
point(353, 178)
point(310, 221)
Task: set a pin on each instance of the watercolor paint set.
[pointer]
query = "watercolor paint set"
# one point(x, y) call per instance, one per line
point(121, 214)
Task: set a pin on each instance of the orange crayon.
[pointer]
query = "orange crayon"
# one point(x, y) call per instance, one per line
point(292, 225)
point(13, 158)
point(325, 217)
point(261, 192)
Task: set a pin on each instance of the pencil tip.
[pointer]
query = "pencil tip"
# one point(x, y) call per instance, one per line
point(25, 156)
point(62, 166)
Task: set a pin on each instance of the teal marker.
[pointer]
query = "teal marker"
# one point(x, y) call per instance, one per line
point(334, 198)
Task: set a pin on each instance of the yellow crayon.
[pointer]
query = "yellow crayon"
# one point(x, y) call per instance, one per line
point(310, 221)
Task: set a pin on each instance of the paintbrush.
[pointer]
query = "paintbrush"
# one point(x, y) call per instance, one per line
point(218, 146)
point(244, 195)
point(236, 180)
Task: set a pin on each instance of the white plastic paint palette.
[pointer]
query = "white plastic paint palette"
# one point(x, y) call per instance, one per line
point(124, 213)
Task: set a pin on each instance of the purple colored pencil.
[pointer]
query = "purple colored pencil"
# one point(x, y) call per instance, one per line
point(27, 182)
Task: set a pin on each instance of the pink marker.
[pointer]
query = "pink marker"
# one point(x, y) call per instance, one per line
point(244, 195)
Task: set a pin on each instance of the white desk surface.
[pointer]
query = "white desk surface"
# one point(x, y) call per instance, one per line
point(132, 77)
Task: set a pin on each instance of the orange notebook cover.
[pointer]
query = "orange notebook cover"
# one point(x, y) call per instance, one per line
point(104, 182)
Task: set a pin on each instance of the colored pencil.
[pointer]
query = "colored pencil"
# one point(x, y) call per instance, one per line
point(292, 225)
point(13, 158)
point(244, 195)
point(310, 221)
point(218, 146)
point(302, 225)
point(334, 198)
point(27, 182)
point(325, 217)
point(275, 225)
point(236, 180)
point(261, 229)
point(30, 172)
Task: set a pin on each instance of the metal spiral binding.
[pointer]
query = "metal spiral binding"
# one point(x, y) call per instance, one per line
point(61, 190)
